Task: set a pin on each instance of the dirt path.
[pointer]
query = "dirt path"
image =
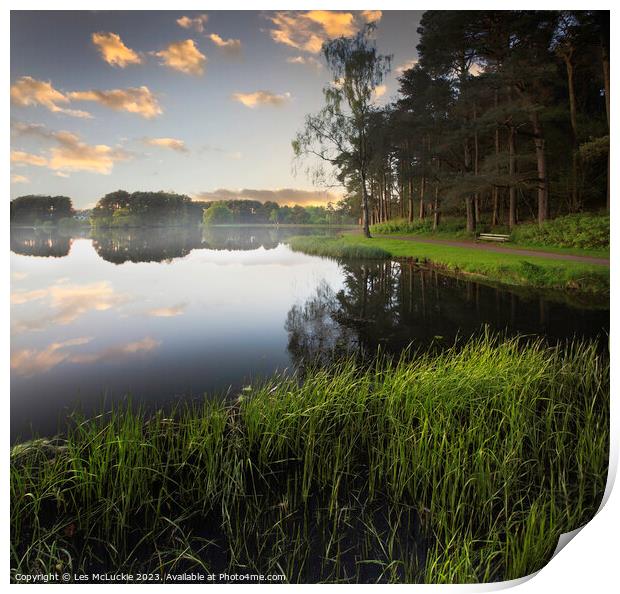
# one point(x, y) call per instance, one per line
point(501, 249)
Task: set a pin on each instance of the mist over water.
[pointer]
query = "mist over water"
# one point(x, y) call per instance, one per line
point(161, 314)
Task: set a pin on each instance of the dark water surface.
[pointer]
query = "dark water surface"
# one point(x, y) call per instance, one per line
point(166, 313)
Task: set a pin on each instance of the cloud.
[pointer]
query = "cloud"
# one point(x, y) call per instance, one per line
point(379, 91)
point(197, 23)
point(19, 179)
point(308, 31)
point(28, 91)
point(114, 51)
point(23, 158)
point(72, 301)
point(305, 60)
point(61, 174)
point(229, 46)
point(261, 98)
point(69, 153)
point(183, 56)
point(476, 69)
point(119, 352)
point(27, 362)
point(400, 69)
point(169, 143)
point(138, 100)
point(372, 16)
point(168, 312)
point(281, 196)
point(66, 303)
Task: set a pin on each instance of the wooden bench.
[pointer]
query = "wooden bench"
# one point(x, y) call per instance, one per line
point(493, 237)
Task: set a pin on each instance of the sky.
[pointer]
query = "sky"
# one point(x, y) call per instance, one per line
point(200, 103)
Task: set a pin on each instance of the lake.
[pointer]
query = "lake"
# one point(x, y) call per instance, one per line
point(161, 314)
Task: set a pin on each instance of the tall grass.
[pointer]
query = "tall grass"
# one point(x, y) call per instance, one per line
point(335, 248)
point(461, 466)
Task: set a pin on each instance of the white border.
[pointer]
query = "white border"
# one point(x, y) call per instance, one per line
point(589, 562)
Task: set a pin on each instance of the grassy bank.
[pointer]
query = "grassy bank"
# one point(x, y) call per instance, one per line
point(337, 247)
point(457, 467)
point(510, 269)
point(585, 234)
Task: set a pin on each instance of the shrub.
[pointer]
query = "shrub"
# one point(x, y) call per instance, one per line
point(585, 231)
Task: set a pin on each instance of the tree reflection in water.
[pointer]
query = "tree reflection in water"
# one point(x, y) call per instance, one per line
point(31, 242)
point(391, 305)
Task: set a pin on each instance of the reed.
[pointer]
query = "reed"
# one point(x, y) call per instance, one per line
point(460, 466)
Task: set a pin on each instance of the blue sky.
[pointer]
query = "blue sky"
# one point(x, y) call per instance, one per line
point(204, 104)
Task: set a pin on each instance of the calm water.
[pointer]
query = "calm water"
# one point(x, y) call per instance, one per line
point(162, 314)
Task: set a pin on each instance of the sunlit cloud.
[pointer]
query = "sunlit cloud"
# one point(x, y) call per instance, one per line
point(476, 69)
point(72, 154)
point(28, 362)
point(114, 51)
point(229, 46)
point(281, 196)
point(305, 61)
point(379, 91)
point(23, 158)
point(401, 68)
point(138, 100)
point(19, 179)
point(66, 303)
point(17, 276)
point(197, 23)
point(372, 16)
point(168, 312)
point(28, 91)
point(69, 152)
point(308, 31)
point(61, 174)
point(118, 353)
point(183, 56)
point(170, 143)
point(256, 98)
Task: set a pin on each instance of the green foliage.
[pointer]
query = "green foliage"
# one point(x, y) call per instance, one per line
point(449, 226)
point(217, 214)
point(495, 448)
point(509, 269)
point(144, 209)
point(587, 230)
point(336, 248)
point(40, 210)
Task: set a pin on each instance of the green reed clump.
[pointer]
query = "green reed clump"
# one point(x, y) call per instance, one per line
point(461, 466)
point(335, 248)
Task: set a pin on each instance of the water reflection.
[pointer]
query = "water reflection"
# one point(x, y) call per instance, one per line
point(161, 244)
point(228, 306)
point(394, 304)
point(31, 242)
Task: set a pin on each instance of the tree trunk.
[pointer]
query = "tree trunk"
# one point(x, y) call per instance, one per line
point(471, 214)
point(436, 208)
point(512, 190)
point(541, 166)
point(410, 196)
point(365, 213)
point(495, 216)
point(605, 59)
point(422, 192)
point(476, 156)
point(570, 71)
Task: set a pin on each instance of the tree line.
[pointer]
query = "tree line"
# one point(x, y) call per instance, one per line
point(504, 117)
point(122, 209)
